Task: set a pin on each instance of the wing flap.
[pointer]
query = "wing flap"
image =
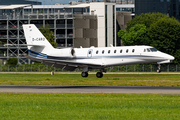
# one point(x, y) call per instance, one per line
point(55, 64)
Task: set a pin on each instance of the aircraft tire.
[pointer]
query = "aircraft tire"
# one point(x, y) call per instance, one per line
point(84, 74)
point(99, 74)
point(158, 71)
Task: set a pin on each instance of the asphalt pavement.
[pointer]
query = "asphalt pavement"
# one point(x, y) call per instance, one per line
point(83, 89)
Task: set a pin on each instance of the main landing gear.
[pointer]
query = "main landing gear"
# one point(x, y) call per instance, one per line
point(84, 74)
point(159, 68)
point(98, 74)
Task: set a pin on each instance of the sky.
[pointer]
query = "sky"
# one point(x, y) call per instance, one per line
point(52, 2)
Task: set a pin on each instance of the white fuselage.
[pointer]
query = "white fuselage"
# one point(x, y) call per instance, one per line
point(109, 56)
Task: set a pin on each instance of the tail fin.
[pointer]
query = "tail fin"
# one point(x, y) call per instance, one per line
point(36, 40)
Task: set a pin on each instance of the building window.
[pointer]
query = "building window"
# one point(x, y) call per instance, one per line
point(103, 52)
point(114, 51)
point(168, 0)
point(109, 51)
point(113, 25)
point(106, 24)
point(174, 7)
point(120, 51)
point(97, 52)
point(161, 0)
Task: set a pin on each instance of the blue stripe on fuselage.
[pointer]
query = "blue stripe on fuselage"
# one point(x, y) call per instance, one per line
point(35, 54)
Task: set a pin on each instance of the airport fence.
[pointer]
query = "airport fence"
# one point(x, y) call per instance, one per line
point(125, 68)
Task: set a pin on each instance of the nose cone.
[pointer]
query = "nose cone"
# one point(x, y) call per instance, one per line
point(170, 57)
point(166, 58)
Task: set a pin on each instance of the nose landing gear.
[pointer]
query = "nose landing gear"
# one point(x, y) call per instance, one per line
point(159, 68)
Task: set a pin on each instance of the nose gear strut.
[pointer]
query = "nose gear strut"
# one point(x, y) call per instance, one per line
point(159, 68)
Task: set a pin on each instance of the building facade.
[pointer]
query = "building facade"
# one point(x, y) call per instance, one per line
point(10, 2)
point(168, 7)
point(92, 24)
point(110, 1)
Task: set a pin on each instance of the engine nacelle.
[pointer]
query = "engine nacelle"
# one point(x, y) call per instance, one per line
point(72, 52)
point(67, 52)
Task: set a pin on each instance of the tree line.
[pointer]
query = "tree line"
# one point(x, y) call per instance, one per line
point(154, 29)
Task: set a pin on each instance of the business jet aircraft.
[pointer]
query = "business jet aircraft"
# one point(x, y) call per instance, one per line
point(88, 58)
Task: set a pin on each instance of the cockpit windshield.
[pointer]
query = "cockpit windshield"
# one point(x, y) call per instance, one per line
point(153, 49)
point(150, 50)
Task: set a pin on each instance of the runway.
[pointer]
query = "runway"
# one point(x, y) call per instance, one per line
point(88, 89)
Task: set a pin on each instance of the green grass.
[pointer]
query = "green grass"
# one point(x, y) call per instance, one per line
point(89, 107)
point(76, 79)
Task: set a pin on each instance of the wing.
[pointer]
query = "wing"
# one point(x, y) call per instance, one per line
point(64, 64)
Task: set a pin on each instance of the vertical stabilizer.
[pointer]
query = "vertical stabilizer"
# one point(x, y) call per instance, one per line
point(36, 40)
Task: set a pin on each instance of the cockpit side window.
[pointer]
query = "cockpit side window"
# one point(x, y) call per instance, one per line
point(148, 50)
point(153, 49)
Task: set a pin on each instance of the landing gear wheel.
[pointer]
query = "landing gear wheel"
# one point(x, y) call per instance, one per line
point(84, 74)
point(158, 71)
point(99, 74)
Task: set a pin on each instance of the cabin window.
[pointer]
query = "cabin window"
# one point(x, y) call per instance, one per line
point(120, 51)
point(114, 51)
point(103, 52)
point(127, 51)
point(144, 50)
point(89, 52)
point(109, 51)
point(148, 50)
point(133, 50)
point(97, 52)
